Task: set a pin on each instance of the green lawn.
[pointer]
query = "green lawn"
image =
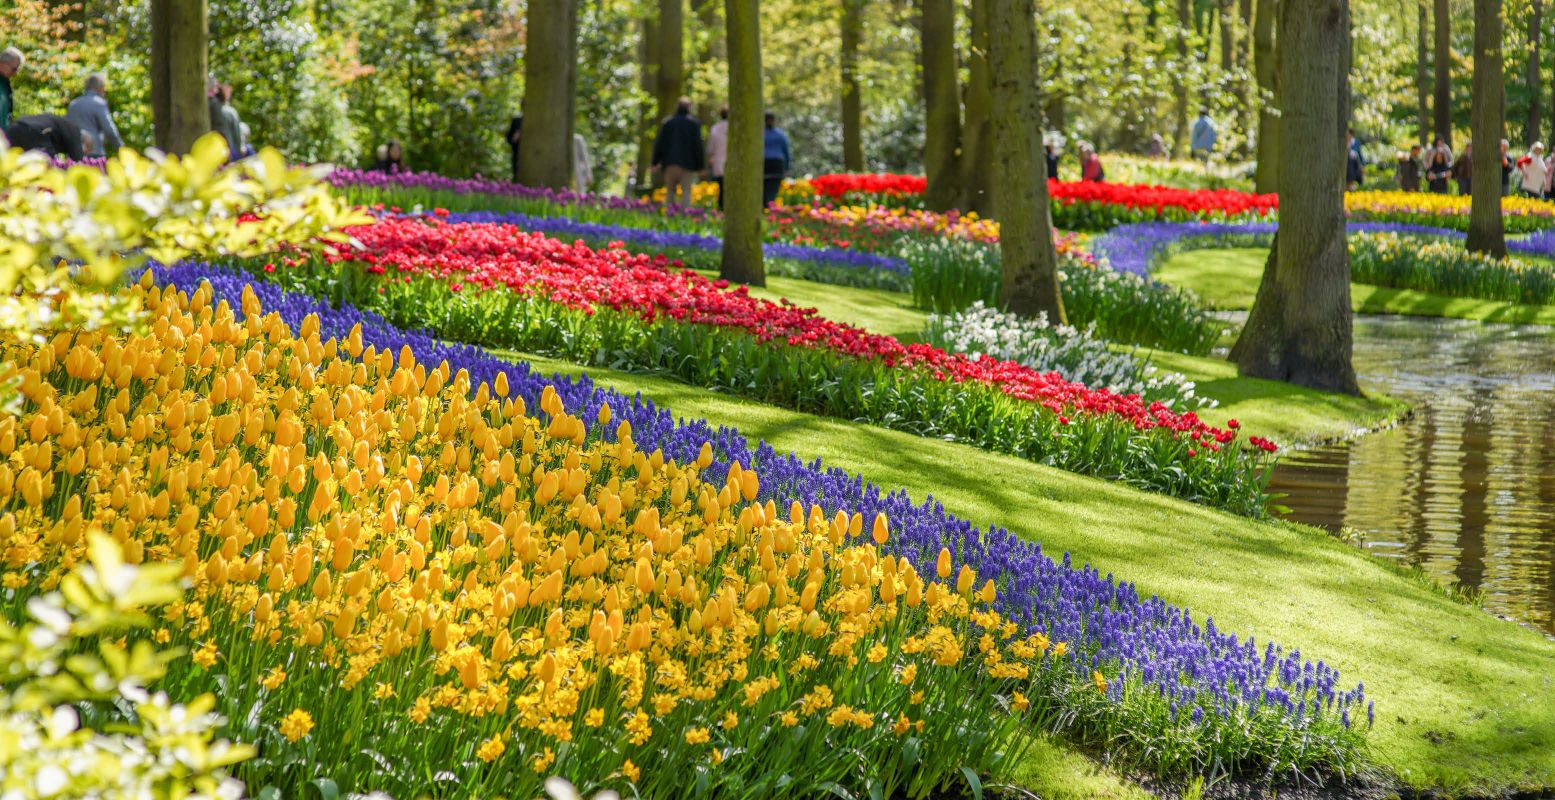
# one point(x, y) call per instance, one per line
point(1282, 412)
point(1463, 699)
point(1228, 279)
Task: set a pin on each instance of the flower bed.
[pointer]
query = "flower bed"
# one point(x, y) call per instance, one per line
point(1088, 205)
point(1519, 214)
point(1075, 354)
point(1178, 695)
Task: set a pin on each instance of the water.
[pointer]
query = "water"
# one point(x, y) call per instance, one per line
point(1466, 488)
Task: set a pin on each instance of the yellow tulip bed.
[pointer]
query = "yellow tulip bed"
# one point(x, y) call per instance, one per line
point(402, 584)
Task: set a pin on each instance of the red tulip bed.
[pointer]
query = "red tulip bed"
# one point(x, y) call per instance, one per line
point(499, 285)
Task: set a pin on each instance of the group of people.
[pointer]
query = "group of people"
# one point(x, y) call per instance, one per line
point(1090, 163)
point(86, 129)
point(681, 154)
point(1436, 170)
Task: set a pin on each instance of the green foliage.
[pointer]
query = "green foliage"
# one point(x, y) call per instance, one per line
point(1445, 268)
point(76, 717)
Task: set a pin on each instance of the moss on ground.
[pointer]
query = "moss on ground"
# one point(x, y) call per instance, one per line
point(1228, 279)
point(1463, 699)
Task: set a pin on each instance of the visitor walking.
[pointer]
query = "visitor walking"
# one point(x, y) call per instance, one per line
point(1202, 143)
point(678, 152)
point(391, 158)
point(10, 61)
point(90, 113)
point(1090, 164)
point(1051, 154)
point(1463, 170)
point(1440, 170)
point(1409, 170)
point(718, 152)
point(582, 165)
point(1532, 170)
point(50, 133)
point(224, 118)
point(1506, 169)
point(776, 157)
point(1157, 148)
point(514, 134)
point(1354, 168)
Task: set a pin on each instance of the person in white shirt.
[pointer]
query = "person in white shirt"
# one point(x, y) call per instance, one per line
point(582, 165)
point(90, 113)
point(1534, 171)
point(718, 152)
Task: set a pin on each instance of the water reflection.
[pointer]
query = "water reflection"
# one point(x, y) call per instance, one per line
point(1465, 489)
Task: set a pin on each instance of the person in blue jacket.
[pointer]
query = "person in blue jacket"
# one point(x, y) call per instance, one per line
point(776, 158)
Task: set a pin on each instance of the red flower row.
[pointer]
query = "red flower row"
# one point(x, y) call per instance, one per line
point(836, 185)
point(1196, 201)
point(487, 256)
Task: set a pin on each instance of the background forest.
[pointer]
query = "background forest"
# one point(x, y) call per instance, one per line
point(328, 80)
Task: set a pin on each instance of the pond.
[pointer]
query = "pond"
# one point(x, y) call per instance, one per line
point(1465, 489)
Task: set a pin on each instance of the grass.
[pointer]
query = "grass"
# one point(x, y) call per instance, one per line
point(1279, 411)
point(1228, 279)
point(1462, 698)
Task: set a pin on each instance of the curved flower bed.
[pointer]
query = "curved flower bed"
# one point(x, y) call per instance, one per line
point(1216, 698)
point(1088, 205)
point(500, 285)
point(1519, 214)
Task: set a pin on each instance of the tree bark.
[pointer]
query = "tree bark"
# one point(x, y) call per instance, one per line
point(672, 57)
point(545, 149)
point(942, 105)
point(1246, 82)
point(852, 101)
point(1299, 329)
point(1487, 233)
point(1443, 102)
point(976, 144)
point(1227, 35)
point(1179, 80)
point(179, 66)
point(1423, 72)
point(742, 261)
point(1535, 94)
point(1029, 283)
point(1267, 64)
point(648, 84)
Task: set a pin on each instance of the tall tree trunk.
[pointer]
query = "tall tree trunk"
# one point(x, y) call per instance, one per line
point(852, 102)
point(672, 57)
point(1535, 95)
point(648, 84)
point(180, 113)
point(743, 213)
point(1443, 101)
point(1246, 82)
point(942, 105)
point(1179, 78)
point(572, 86)
point(1029, 285)
point(545, 149)
point(1423, 72)
point(1487, 233)
point(976, 144)
point(1299, 329)
point(1227, 35)
point(1266, 60)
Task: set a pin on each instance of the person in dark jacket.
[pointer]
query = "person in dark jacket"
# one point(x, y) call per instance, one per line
point(515, 133)
point(50, 133)
point(391, 159)
point(678, 151)
point(10, 62)
point(1410, 170)
point(1463, 170)
point(776, 158)
point(1354, 168)
point(1051, 154)
point(1439, 171)
point(1506, 169)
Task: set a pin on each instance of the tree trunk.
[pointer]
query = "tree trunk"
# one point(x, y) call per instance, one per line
point(1299, 329)
point(1245, 84)
point(1423, 72)
point(743, 171)
point(1266, 60)
point(942, 105)
point(976, 144)
point(852, 102)
point(1227, 35)
point(1535, 95)
point(1443, 103)
point(1179, 78)
point(1030, 269)
point(1487, 233)
point(648, 84)
point(545, 149)
point(180, 113)
point(672, 58)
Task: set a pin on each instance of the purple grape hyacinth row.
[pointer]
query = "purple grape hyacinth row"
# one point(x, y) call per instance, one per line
point(431, 181)
point(1156, 648)
point(667, 240)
